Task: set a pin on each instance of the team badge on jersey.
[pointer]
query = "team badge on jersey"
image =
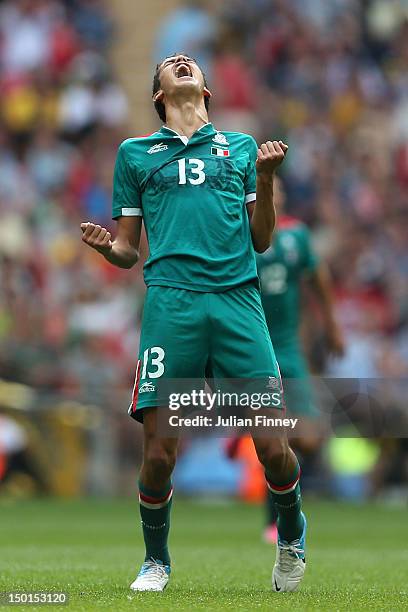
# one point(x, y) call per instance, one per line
point(220, 139)
point(219, 152)
point(157, 148)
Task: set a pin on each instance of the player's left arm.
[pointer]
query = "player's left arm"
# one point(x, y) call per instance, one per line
point(262, 212)
point(321, 284)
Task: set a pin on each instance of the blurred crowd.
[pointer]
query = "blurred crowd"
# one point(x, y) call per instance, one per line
point(66, 317)
point(329, 78)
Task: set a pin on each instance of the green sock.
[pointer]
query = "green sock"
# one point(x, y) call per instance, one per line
point(288, 503)
point(271, 512)
point(155, 509)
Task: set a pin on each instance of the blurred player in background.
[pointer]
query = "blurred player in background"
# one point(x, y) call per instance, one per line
point(282, 269)
point(206, 199)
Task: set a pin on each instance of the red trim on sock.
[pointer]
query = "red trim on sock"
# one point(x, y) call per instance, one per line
point(155, 500)
point(284, 487)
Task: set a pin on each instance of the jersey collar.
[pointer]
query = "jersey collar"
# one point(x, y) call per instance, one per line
point(207, 128)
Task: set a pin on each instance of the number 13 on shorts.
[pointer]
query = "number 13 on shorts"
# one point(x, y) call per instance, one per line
point(151, 366)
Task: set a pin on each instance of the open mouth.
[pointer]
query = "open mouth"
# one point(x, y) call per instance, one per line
point(183, 70)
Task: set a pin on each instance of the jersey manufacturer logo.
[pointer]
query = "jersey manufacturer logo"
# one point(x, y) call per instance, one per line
point(147, 387)
point(220, 139)
point(157, 148)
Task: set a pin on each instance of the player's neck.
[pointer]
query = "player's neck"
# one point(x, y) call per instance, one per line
point(185, 117)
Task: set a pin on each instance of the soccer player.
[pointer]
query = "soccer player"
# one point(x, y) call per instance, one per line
point(282, 268)
point(206, 200)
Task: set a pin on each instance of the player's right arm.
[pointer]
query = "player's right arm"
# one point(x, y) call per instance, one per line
point(122, 252)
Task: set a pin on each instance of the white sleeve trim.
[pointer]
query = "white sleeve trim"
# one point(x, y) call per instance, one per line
point(250, 197)
point(132, 212)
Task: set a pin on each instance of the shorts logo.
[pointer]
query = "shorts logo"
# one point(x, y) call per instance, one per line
point(157, 148)
point(220, 139)
point(273, 383)
point(147, 387)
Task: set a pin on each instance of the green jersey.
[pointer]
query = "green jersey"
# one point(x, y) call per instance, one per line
point(280, 270)
point(192, 194)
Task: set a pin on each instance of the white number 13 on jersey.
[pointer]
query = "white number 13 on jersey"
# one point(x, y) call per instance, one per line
point(196, 169)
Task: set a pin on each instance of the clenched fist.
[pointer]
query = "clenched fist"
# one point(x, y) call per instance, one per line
point(270, 156)
point(96, 237)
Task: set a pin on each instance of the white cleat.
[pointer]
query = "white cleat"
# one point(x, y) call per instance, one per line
point(290, 564)
point(153, 576)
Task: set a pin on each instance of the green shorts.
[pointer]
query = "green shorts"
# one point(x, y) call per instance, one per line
point(297, 386)
point(192, 335)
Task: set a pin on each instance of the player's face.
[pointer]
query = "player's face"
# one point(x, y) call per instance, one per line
point(180, 73)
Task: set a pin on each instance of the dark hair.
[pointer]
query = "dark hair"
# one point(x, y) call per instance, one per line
point(159, 106)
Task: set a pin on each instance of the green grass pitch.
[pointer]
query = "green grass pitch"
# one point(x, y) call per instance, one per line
point(357, 557)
